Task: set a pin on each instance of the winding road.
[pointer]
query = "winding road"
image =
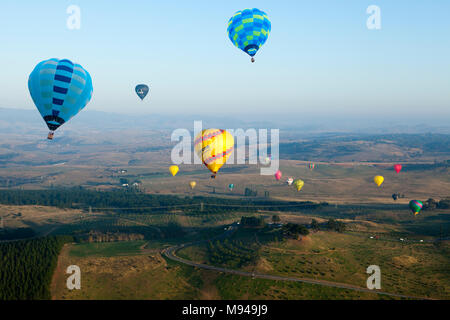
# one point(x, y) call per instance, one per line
point(170, 253)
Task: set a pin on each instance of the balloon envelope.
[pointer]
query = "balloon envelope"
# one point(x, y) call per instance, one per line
point(289, 181)
point(192, 184)
point(174, 170)
point(278, 175)
point(231, 186)
point(141, 90)
point(397, 168)
point(415, 206)
point(214, 147)
point(311, 166)
point(378, 180)
point(59, 89)
point(249, 29)
point(299, 184)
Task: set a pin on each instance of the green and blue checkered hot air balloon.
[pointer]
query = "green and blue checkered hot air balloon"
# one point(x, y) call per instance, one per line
point(59, 89)
point(248, 30)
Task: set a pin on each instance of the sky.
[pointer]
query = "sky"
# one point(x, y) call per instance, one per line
point(320, 58)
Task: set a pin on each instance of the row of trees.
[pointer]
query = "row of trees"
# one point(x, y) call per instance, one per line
point(96, 236)
point(27, 266)
point(144, 203)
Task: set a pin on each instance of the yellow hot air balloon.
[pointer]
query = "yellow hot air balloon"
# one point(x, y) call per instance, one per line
point(192, 184)
point(299, 184)
point(378, 180)
point(174, 170)
point(214, 147)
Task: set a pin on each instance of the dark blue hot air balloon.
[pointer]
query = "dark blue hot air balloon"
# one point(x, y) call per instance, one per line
point(59, 89)
point(141, 90)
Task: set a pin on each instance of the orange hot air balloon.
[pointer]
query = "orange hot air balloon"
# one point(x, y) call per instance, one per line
point(397, 168)
point(278, 175)
point(214, 147)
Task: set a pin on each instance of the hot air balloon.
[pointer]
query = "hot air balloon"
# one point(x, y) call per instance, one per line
point(415, 206)
point(395, 196)
point(378, 180)
point(174, 170)
point(267, 160)
point(59, 89)
point(141, 90)
point(289, 181)
point(311, 166)
point(231, 186)
point(192, 184)
point(248, 30)
point(299, 184)
point(278, 175)
point(214, 147)
point(397, 168)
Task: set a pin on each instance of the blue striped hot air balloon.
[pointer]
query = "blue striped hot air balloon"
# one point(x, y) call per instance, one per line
point(59, 89)
point(248, 30)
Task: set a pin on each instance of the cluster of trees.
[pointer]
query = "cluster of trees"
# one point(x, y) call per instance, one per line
point(19, 233)
point(256, 222)
point(250, 192)
point(232, 253)
point(432, 204)
point(27, 266)
point(335, 225)
point(294, 230)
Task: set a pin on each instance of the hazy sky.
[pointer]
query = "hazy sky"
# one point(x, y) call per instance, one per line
point(320, 57)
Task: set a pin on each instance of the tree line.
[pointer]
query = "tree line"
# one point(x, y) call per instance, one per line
point(144, 203)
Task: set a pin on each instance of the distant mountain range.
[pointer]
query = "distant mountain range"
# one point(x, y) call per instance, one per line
point(27, 121)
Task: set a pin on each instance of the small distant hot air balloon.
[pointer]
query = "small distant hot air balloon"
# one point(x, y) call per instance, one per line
point(248, 30)
point(415, 206)
point(289, 181)
point(278, 175)
point(311, 166)
point(231, 186)
point(397, 168)
point(192, 184)
point(59, 89)
point(299, 184)
point(174, 170)
point(141, 90)
point(395, 196)
point(267, 161)
point(378, 180)
point(214, 147)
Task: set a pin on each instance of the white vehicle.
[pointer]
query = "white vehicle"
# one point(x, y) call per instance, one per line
point(371, 237)
point(421, 240)
point(401, 239)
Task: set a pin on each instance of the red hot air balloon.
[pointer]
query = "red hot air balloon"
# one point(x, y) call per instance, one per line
point(278, 175)
point(397, 168)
